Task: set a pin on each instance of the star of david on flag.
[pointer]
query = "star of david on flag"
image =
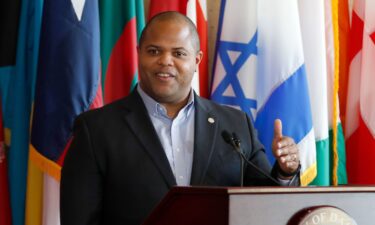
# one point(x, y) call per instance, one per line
point(259, 69)
point(230, 80)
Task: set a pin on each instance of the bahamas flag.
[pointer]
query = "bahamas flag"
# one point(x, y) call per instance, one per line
point(68, 83)
point(121, 23)
point(259, 68)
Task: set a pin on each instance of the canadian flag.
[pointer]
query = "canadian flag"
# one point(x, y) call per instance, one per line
point(360, 111)
point(196, 10)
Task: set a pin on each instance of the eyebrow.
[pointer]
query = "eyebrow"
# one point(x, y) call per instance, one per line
point(180, 48)
point(157, 46)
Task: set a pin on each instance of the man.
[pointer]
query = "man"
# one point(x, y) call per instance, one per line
point(127, 155)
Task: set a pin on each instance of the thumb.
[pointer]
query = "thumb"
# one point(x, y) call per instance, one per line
point(278, 129)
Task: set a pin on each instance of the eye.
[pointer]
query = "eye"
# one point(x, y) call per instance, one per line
point(180, 54)
point(153, 51)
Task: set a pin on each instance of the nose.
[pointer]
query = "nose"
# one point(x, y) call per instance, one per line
point(165, 59)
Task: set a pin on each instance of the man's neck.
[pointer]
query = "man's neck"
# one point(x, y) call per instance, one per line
point(174, 109)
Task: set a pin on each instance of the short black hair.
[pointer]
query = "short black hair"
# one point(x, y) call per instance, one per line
point(173, 15)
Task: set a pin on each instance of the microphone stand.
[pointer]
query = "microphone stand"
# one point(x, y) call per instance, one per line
point(235, 142)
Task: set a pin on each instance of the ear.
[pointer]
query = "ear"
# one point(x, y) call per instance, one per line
point(198, 58)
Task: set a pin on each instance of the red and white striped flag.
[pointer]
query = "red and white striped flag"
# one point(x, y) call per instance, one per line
point(360, 111)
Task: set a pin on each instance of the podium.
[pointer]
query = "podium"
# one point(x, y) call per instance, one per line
point(262, 205)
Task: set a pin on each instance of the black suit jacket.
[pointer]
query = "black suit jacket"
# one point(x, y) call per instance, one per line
point(116, 170)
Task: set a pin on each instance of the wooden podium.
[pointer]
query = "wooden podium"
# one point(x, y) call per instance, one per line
point(261, 205)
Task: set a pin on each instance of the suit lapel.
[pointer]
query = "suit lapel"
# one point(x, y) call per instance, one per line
point(206, 126)
point(138, 120)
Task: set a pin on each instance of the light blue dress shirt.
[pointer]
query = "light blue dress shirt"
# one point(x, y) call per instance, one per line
point(176, 135)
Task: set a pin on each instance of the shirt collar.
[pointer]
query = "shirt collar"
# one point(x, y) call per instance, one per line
point(155, 108)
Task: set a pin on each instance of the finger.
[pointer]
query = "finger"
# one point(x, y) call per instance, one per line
point(289, 166)
point(289, 149)
point(278, 129)
point(289, 158)
point(285, 142)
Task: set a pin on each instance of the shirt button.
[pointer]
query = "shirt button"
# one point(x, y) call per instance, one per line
point(181, 177)
point(178, 149)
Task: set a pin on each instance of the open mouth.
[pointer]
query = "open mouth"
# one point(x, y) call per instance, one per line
point(165, 75)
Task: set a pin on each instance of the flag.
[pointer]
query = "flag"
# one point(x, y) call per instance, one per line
point(5, 216)
point(336, 135)
point(314, 46)
point(9, 11)
point(121, 23)
point(344, 27)
point(68, 83)
point(318, 45)
point(196, 10)
point(18, 105)
point(31, 19)
point(259, 68)
point(360, 111)
point(158, 6)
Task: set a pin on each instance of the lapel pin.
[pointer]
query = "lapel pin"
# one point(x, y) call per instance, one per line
point(211, 120)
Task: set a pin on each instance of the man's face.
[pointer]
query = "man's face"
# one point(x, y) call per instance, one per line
point(167, 61)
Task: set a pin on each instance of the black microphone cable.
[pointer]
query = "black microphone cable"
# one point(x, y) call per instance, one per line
point(235, 142)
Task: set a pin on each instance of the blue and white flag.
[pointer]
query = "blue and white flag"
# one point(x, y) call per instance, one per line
point(67, 84)
point(259, 68)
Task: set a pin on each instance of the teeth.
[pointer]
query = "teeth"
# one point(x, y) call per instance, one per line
point(163, 75)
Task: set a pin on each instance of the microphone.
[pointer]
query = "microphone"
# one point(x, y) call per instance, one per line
point(230, 139)
point(235, 142)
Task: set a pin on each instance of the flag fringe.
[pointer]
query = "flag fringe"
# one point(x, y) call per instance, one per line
point(309, 175)
point(335, 5)
point(46, 165)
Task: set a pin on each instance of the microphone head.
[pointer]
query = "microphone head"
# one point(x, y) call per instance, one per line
point(227, 137)
point(236, 139)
